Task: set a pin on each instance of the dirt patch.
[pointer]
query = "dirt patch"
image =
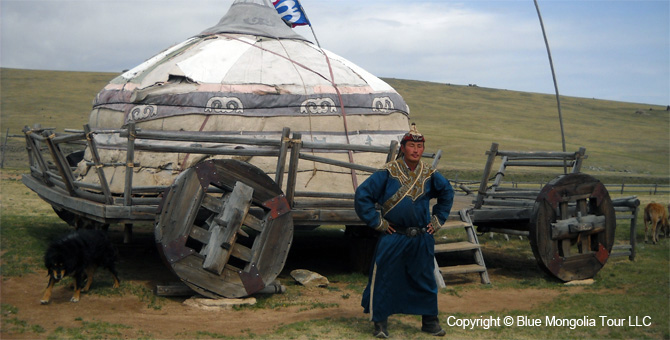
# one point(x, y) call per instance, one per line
point(141, 266)
point(175, 318)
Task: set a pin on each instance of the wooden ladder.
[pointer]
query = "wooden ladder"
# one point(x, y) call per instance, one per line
point(462, 220)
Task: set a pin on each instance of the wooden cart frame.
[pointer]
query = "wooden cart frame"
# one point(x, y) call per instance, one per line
point(225, 227)
point(570, 222)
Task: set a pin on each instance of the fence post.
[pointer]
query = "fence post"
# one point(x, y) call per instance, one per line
point(4, 147)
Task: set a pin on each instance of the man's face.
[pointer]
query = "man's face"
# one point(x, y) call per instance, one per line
point(412, 151)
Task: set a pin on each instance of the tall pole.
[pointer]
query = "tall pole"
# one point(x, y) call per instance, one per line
point(309, 23)
point(553, 74)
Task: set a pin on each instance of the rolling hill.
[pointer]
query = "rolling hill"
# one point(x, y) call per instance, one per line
point(622, 140)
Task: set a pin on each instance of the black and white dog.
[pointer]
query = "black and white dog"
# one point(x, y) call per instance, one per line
point(77, 255)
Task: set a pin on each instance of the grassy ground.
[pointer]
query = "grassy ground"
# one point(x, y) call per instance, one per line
point(635, 292)
point(624, 141)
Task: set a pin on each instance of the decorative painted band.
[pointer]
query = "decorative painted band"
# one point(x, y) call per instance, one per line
point(249, 104)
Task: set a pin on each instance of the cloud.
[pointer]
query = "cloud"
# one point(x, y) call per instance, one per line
point(605, 49)
point(97, 35)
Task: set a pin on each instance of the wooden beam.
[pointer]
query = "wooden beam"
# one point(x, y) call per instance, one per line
point(481, 192)
point(296, 144)
point(192, 136)
point(337, 163)
point(97, 164)
point(61, 163)
point(281, 160)
point(225, 228)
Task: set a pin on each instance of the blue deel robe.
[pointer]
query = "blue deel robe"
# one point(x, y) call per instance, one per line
point(402, 277)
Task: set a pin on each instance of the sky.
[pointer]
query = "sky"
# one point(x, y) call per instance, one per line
point(605, 49)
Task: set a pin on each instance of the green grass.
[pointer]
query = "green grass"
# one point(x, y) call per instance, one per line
point(11, 323)
point(90, 330)
point(23, 245)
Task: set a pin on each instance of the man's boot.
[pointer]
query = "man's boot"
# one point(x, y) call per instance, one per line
point(431, 324)
point(381, 330)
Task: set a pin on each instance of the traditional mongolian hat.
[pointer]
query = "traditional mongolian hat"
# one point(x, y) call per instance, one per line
point(413, 135)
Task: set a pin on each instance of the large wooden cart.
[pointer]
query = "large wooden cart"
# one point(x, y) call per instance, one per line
point(225, 227)
point(570, 221)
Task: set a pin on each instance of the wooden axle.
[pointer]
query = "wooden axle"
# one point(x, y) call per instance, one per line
point(574, 226)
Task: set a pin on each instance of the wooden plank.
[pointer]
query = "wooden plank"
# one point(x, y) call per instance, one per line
point(481, 192)
point(180, 208)
point(130, 164)
point(621, 253)
point(241, 252)
point(4, 147)
point(456, 224)
point(98, 166)
point(393, 151)
point(203, 137)
point(58, 196)
point(488, 215)
point(271, 250)
point(236, 171)
point(513, 194)
point(253, 222)
point(147, 189)
point(209, 284)
point(344, 147)
point(206, 151)
point(347, 165)
point(296, 144)
point(510, 232)
point(225, 230)
point(537, 154)
point(281, 160)
point(512, 202)
point(633, 234)
point(499, 176)
point(60, 162)
point(213, 204)
point(575, 266)
point(68, 138)
point(324, 194)
point(538, 164)
point(462, 269)
point(455, 246)
point(306, 204)
point(199, 234)
point(436, 159)
point(580, 155)
point(323, 216)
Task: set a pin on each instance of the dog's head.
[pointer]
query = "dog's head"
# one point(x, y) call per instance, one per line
point(55, 264)
point(58, 261)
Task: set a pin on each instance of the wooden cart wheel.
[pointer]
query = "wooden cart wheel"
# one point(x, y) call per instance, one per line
point(225, 228)
point(572, 227)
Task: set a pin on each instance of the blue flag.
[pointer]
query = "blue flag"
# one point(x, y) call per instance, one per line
point(291, 11)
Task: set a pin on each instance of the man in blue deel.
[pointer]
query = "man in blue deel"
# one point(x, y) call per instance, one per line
point(402, 279)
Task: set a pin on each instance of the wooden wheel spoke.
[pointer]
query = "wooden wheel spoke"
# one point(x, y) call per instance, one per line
point(213, 203)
